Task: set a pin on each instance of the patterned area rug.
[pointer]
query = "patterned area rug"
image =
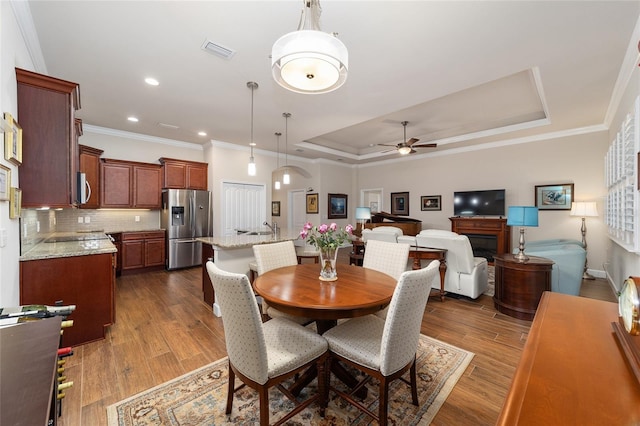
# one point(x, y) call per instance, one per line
point(199, 397)
point(491, 280)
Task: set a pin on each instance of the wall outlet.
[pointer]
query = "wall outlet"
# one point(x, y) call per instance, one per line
point(37, 226)
point(80, 219)
point(137, 218)
point(87, 219)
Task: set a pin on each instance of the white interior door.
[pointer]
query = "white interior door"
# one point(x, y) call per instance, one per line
point(298, 209)
point(243, 207)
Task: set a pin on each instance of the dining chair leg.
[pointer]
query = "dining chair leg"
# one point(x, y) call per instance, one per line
point(264, 406)
point(323, 389)
point(230, 389)
point(414, 383)
point(383, 401)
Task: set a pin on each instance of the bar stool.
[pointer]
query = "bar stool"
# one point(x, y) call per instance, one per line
point(305, 253)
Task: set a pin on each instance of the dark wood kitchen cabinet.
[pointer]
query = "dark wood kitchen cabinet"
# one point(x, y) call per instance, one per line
point(85, 281)
point(143, 250)
point(182, 174)
point(90, 166)
point(128, 184)
point(46, 113)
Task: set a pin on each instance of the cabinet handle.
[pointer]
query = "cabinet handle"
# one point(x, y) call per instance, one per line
point(88, 191)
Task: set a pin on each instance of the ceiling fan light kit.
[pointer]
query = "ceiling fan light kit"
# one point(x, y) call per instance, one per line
point(308, 60)
point(406, 146)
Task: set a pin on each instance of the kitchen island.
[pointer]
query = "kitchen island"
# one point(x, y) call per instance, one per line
point(233, 253)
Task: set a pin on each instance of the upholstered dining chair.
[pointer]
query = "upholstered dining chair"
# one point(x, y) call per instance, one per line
point(384, 349)
point(263, 355)
point(273, 256)
point(388, 258)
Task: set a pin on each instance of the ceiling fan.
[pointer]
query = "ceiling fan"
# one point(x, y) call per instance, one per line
point(407, 146)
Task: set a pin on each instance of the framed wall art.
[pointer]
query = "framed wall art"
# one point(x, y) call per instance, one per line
point(554, 197)
point(312, 203)
point(275, 208)
point(338, 206)
point(430, 202)
point(5, 183)
point(13, 140)
point(400, 203)
point(15, 203)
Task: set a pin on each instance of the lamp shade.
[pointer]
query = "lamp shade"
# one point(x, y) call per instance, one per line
point(584, 209)
point(363, 213)
point(522, 216)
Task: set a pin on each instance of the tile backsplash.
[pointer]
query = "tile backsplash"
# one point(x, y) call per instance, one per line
point(35, 225)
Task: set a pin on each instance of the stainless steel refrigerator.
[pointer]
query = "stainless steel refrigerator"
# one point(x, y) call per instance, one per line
point(186, 215)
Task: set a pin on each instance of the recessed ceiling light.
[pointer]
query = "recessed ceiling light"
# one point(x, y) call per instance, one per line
point(133, 119)
point(151, 81)
point(202, 133)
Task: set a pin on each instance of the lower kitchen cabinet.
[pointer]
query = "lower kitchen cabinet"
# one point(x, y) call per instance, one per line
point(143, 250)
point(85, 281)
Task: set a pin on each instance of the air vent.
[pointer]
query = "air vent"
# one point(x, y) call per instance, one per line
point(218, 49)
point(168, 126)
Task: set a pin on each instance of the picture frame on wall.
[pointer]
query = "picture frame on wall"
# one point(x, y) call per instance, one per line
point(15, 203)
point(373, 206)
point(13, 140)
point(5, 183)
point(338, 206)
point(275, 208)
point(554, 197)
point(312, 203)
point(400, 203)
point(431, 202)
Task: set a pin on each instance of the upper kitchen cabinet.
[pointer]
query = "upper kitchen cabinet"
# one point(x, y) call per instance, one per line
point(182, 174)
point(90, 166)
point(128, 184)
point(46, 112)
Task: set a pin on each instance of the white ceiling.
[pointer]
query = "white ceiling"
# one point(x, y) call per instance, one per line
point(462, 73)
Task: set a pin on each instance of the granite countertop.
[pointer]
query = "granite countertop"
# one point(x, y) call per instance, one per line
point(68, 244)
point(244, 240)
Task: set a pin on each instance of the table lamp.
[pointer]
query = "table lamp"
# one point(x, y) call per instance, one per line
point(362, 215)
point(584, 209)
point(522, 216)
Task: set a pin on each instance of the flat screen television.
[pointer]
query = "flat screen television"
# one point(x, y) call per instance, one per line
point(479, 203)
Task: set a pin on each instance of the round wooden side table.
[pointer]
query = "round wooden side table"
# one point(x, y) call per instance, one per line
point(519, 285)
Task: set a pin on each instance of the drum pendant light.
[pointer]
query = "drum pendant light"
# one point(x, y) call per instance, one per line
point(308, 60)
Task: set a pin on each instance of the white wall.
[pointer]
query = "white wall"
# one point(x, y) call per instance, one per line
point(135, 147)
point(516, 168)
point(13, 53)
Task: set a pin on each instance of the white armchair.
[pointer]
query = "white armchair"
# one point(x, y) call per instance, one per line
point(388, 234)
point(466, 275)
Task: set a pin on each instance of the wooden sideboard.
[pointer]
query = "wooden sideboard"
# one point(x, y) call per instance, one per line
point(484, 226)
point(572, 370)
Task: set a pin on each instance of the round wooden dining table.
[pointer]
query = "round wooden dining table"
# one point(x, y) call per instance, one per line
point(297, 290)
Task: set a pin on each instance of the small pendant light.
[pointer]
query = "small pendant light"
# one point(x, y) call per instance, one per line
point(276, 185)
point(286, 179)
point(251, 169)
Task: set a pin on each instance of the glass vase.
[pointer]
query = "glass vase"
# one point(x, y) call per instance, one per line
point(328, 258)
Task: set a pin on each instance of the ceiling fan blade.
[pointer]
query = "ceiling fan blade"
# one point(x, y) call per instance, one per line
point(426, 145)
point(412, 141)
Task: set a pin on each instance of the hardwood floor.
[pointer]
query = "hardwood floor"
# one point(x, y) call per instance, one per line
point(164, 329)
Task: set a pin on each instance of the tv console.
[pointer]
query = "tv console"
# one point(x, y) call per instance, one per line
point(484, 226)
